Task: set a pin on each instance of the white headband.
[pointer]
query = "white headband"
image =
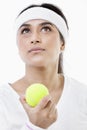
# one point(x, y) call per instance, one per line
point(45, 14)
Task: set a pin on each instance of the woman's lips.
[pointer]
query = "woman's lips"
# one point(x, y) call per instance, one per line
point(36, 49)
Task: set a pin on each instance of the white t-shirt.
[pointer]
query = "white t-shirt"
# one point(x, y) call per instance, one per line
point(72, 109)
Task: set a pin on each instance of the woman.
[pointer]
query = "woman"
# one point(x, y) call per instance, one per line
point(42, 32)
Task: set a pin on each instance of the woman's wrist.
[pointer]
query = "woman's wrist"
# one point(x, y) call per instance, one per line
point(31, 126)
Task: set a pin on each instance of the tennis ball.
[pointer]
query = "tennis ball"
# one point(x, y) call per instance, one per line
point(34, 93)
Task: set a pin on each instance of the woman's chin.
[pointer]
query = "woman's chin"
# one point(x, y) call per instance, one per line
point(38, 64)
point(37, 60)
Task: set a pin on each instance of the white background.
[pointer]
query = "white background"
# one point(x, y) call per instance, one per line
point(75, 58)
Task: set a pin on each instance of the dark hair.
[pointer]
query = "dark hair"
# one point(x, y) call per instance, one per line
point(59, 12)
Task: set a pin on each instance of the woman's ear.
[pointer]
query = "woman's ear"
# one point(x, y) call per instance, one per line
point(62, 46)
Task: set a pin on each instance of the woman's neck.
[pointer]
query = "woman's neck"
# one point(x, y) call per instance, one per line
point(50, 78)
point(42, 75)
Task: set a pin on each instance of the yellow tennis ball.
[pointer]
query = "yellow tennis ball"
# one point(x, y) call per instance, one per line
point(34, 93)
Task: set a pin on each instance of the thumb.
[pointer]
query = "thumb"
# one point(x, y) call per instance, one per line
point(43, 103)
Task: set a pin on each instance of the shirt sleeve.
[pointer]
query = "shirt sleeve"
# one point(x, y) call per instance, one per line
point(30, 126)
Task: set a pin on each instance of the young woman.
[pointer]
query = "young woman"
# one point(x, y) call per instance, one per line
point(42, 32)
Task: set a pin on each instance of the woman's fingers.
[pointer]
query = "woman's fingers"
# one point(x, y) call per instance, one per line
point(23, 101)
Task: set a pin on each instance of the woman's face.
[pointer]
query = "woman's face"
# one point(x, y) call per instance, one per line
point(39, 43)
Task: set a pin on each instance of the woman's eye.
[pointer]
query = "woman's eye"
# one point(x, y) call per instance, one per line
point(25, 30)
point(46, 29)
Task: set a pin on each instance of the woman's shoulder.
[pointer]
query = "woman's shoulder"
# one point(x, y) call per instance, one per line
point(75, 84)
point(6, 92)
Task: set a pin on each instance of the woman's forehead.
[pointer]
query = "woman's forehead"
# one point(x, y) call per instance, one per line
point(38, 21)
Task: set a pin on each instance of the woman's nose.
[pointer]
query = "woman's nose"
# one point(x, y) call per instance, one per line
point(35, 38)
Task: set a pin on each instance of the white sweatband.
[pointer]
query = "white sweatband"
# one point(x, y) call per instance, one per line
point(45, 14)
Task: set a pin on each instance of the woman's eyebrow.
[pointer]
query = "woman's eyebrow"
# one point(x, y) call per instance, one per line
point(24, 25)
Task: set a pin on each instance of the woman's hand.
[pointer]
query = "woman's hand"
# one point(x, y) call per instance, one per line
point(43, 115)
